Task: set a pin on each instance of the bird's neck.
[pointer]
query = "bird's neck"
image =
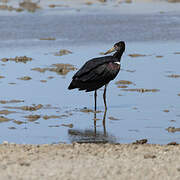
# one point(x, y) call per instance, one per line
point(118, 55)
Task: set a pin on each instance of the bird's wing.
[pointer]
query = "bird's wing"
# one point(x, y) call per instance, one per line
point(92, 64)
point(101, 73)
point(94, 74)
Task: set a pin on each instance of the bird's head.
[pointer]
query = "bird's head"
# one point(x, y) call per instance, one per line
point(120, 46)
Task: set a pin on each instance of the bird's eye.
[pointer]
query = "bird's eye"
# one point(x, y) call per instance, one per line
point(116, 47)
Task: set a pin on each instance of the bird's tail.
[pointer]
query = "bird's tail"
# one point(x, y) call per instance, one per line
point(72, 85)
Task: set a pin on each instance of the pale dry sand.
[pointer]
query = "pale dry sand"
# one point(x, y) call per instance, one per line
point(89, 161)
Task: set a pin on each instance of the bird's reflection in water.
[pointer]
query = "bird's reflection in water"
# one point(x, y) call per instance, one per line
point(104, 123)
point(91, 136)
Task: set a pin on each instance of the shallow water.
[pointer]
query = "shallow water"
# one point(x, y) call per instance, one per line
point(131, 115)
point(136, 115)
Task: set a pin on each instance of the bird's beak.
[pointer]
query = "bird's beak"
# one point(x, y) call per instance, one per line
point(110, 50)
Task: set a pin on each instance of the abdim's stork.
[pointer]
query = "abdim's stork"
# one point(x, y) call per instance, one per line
point(98, 72)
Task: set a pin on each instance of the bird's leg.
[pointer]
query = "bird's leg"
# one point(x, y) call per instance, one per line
point(104, 96)
point(95, 123)
point(104, 122)
point(95, 95)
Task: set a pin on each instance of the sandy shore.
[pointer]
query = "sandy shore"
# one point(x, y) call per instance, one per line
point(89, 161)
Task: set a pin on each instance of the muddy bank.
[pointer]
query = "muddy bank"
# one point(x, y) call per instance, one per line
point(89, 161)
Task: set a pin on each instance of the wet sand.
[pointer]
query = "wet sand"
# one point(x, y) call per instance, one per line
point(89, 161)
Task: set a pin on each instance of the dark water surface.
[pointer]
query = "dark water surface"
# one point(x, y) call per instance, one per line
point(131, 115)
point(76, 29)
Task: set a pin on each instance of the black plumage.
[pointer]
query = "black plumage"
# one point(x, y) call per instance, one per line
point(98, 72)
